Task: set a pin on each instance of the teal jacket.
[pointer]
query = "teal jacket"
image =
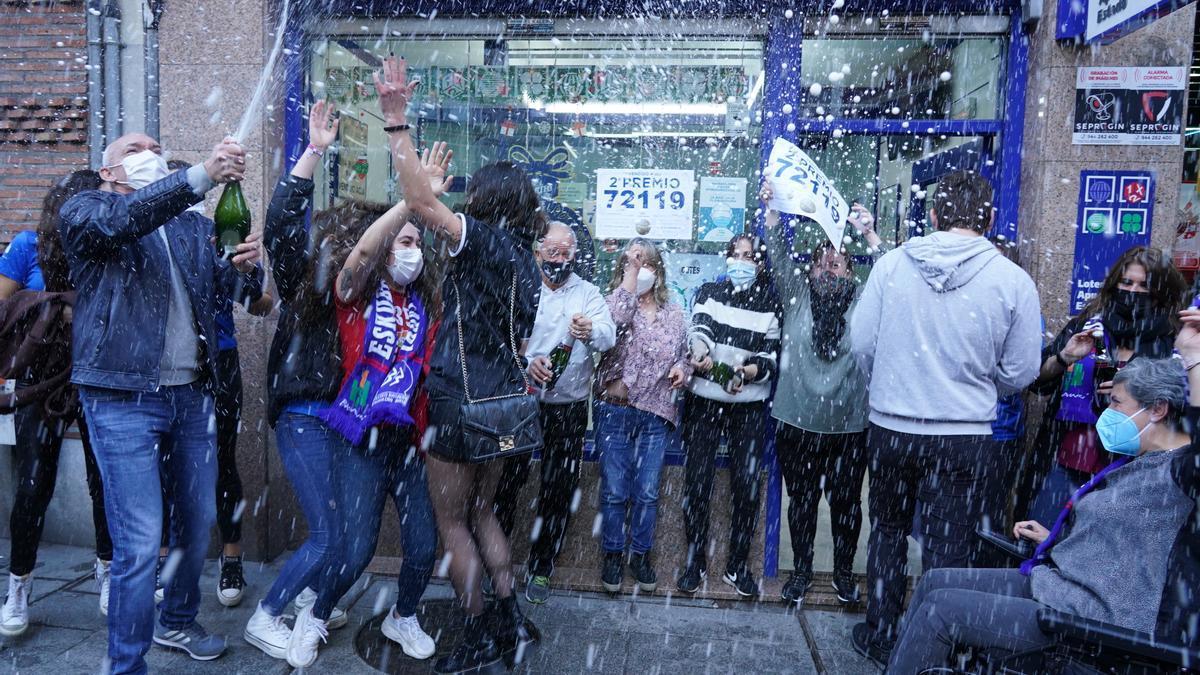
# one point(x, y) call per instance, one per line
point(827, 397)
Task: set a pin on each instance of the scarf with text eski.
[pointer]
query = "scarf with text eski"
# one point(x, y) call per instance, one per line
point(382, 383)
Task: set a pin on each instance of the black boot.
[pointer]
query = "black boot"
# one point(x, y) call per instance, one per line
point(514, 633)
point(475, 649)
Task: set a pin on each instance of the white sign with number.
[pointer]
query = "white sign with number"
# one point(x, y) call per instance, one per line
point(654, 203)
point(800, 187)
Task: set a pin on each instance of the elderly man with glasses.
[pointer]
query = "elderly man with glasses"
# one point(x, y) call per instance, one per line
point(573, 323)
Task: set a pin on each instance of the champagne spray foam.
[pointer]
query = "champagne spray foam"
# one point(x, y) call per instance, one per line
point(264, 80)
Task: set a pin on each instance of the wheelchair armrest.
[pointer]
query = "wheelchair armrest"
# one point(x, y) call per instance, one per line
point(1115, 638)
point(1019, 550)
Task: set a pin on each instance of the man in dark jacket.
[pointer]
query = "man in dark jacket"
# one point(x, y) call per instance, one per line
point(149, 284)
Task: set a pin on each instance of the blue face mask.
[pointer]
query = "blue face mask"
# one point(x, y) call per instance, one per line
point(1119, 433)
point(740, 272)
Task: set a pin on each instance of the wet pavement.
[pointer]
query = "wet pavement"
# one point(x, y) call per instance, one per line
point(582, 632)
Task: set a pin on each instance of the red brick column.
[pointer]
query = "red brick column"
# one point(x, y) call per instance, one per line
point(43, 104)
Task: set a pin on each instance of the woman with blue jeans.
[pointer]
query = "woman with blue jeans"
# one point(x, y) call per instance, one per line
point(635, 393)
point(304, 374)
point(387, 311)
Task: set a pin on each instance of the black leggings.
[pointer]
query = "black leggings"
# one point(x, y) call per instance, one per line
point(229, 415)
point(39, 442)
point(813, 463)
point(705, 421)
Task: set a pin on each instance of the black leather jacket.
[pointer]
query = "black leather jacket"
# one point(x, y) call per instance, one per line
point(123, 280)
point(305, 363)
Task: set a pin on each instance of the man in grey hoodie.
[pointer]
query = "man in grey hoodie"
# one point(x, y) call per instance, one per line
point(944, 326)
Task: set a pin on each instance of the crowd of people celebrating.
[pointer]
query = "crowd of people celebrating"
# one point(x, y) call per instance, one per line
point(423, 352)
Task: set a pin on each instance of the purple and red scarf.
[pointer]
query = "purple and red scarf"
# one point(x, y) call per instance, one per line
point(383, 382)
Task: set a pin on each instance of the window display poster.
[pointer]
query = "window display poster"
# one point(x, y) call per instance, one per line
point(1186, 253)
point(802, 188)
point(687, 272)
point(352, 159)
point(1115, 213)
point(722, 208)
point(653, 203)
point(1129, 106)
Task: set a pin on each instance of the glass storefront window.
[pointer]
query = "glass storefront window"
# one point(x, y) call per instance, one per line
point(563, 107)
point(903, 77)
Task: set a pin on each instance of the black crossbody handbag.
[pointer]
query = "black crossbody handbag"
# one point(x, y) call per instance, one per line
point(498, 426)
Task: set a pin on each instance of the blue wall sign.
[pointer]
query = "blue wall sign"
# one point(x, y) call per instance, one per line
point(1115, 212)
point(1107, 20)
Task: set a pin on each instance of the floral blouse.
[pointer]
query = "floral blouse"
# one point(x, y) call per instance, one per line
point(645, 352)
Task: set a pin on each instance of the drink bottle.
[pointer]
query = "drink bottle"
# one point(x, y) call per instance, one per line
point(1106, 362)
point(232, 218)
point(560, 356)
point(721, 373)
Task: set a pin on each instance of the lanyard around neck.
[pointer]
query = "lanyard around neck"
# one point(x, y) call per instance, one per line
point(1041, 554)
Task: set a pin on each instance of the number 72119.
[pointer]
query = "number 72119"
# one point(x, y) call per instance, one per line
point(632, 199)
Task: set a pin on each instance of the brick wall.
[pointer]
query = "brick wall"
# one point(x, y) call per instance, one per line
point(43, 104)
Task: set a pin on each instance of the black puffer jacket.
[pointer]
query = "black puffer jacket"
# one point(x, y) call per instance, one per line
point(304, 363)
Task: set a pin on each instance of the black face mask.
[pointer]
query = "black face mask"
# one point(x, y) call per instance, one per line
point(831, 298)
point(1132, 306)
point(558, 272)
point(829, 286)
point(1132, 318)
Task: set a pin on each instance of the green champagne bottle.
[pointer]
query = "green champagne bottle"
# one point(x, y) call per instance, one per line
point(721, 373)
point(232, 218)
point(560, 356)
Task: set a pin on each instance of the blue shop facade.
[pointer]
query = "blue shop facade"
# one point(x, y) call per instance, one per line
point(887, 96)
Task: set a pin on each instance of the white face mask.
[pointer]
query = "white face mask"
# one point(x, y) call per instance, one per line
point(144, 168)
point(406, 265)
point(645, 281)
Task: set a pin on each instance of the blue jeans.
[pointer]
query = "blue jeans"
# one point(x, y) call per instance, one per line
point(306, 447)
point(129, 433)
point(364, 480)
point(632, 444)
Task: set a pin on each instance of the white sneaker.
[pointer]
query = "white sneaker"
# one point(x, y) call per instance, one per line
point(307, 636)
point(103, 583)
point(338, 618)
point(406, 631)
point(269, 633)
point(14, 615)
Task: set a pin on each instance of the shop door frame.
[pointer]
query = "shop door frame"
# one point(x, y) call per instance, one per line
point(784, 86)
point(975, 155)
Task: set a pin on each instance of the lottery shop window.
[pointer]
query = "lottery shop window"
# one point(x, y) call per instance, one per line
point(569, 108)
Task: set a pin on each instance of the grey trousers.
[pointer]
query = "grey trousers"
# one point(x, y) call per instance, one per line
point(985, 608)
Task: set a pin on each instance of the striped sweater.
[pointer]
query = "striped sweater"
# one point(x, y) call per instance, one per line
point(738, 328)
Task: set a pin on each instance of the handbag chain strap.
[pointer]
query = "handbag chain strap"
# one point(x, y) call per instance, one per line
point(512, 339)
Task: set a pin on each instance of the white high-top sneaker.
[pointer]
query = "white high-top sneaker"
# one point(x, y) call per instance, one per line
point(14, 615)
point(269, 633)
point(308, 597)
point(103, 582)
point(307, 636)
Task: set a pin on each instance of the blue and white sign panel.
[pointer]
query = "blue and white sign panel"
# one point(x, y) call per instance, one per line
point(1116, 209)
point(654, 203)
point(1106, 20)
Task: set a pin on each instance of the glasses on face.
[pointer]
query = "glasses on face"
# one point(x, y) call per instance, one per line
point(551, 252)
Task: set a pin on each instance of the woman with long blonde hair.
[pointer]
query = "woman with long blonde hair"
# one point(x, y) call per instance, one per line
point(635, 407)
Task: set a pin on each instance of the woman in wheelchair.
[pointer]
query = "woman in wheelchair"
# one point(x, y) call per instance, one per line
point(1106, 556)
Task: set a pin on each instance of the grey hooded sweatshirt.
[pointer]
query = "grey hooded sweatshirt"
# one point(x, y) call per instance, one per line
point(944, 325)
